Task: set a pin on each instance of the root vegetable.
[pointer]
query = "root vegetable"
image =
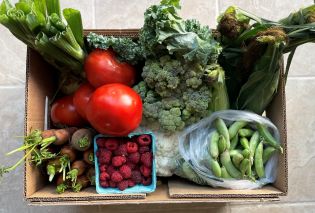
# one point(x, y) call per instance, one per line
point(88, 156)
point(52, 168)
point(82, 182)
point(68, 151)
point(82, 139)
point(77, 169)
point(58, 137)
point(62, 185)
point(91, 175)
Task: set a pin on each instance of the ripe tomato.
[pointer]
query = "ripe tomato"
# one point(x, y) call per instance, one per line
point(81, 98)
point(102, 67)
point(64, 112)
point(114, 109)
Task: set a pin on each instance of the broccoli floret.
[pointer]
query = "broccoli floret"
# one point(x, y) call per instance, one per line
point(170, 120)
point(171, 102)
point(142, 89)
point(197, 101)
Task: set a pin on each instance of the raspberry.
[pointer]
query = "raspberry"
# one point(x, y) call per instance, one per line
point(104, 184)
point(136, 176)
point(134, 157)
point(116, 177)
point(104, 176)
point(146, 181)
point(146, 159)
point(144, 149)
point(145, 171)
point(144, 140)
point(111, 144)
point(122, 150)
point(112, 184)
point(100, 142)
point(104, 156)
point(132, 147)
point(118, 161)
point(110, 169)
point(103, 168)
point(123, 185)
point(125, 171)
point(131, 165)
point(131, 183)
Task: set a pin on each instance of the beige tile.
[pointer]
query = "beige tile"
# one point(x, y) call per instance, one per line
point(111, 14)
point(301, 139)
point(274, 208)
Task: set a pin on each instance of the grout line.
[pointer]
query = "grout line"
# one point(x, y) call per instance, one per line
point(303, 77)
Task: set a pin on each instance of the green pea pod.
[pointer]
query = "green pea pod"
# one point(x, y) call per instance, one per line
point(223, 130)
point(213, 146)
point(235, 152)
point(253, 142)
point(245, 132)
point(244, 166)
point(234, 142)
point(258, 161)
point(237, 159)
point(221, 144)
point(246, 153)
point(215, 167)
point(224, 173)
point(268, 152)
point(237, 125)
point(227, 163)
point(245, 143)
point(270, 140)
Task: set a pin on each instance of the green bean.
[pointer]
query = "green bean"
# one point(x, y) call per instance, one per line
point(253, 142)
point(213, 146)
point(246, 153)
point(221, 144)
point(223, 130)
point(236, 159)
point(234, 142)
point(270, 140)
point(227, 163)
point(259, 165)
point(235, 152)
point(224, 173)
point(215, 167)
point(244, 166)
point(245, 143)
point(237, 125)
point(245, 132)
point(268, 152)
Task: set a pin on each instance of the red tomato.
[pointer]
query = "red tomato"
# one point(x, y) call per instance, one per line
point(101, 67)
point(64, 112)
point(81, 98)
point(114, 109)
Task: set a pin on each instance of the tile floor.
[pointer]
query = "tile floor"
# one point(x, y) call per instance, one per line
point(122, 14)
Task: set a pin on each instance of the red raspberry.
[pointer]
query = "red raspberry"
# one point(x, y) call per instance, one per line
point(146, 159)
point(111, 170)
point(111, 144)
point(104, 184)
point(100, 142)
point(118, 161)
point(145, 171)
point(136, 176)
point(123, 185)
point(125, 171)
point(103, 168)
point(144, 140)
point(112, 184)
point(116, 177)
point(134, 157)
point(131, 183)
point(132, 147)
point(146, 181)
point(104, 176)
point(105, 157)
point(144, 149)
point(131, 165)
point(122, 150)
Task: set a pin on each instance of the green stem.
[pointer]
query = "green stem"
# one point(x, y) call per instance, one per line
point(83, 142)
point(51, 171)
point(73, 175)
point(19, 149)
point(287, 67)
point(61, 188)
point(47, 141)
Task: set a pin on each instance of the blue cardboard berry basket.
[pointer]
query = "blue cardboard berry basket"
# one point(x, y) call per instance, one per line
point(139, 188)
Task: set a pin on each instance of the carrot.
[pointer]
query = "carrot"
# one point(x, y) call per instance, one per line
point(77, 168)
point(62, 185)
point(58, 136)
point(88, 156)
point(82, 139)
point(91, 175)
point(52, 167)
point(68, 151)
point(82, 182)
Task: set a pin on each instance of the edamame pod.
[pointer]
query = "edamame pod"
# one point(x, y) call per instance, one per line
point(245, 132)
point(221, 144)
point(258, 161)
point(235, 152)
point(237, 159)
point(253, 142)
point(263, 131)
point(246, 153)
point(213, 146)
point(244, 166)
point(224, 173)
point(227, 163)
point(223, 130)
point(237, 125)
point(215, 167)
point(245, 143)
point(268, 152)
point(234, 142)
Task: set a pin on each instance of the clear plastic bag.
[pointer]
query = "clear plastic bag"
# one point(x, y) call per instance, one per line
point(193, 148)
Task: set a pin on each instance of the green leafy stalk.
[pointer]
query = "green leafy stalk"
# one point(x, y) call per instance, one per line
point(74, 20)
point(51, 172)
point(53, 6)
point(77, 187)
point(61, 188)
point(64, 165)
point(73, 175)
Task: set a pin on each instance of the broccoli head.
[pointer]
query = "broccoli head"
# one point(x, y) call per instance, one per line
point(170, 120)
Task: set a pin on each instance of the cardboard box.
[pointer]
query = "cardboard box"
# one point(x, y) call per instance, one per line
point(41, 82)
